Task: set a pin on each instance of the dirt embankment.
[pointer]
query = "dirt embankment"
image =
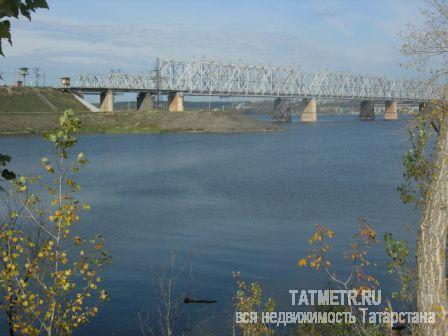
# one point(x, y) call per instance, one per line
point(137, 122)
point(37, 110)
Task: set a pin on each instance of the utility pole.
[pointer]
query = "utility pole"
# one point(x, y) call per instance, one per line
point(209, 101)
point(158, 85)
point(37, 75)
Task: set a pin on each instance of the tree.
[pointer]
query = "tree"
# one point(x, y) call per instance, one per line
point(358, 279)
point(48, 274)
point(248, 299)
point(425, 44)
point(13, 9)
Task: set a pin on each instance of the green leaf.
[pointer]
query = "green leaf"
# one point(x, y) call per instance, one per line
point(25, 11)
point(15, 8)
point(5, 32)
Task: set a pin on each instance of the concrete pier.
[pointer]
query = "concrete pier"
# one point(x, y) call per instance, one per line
point(391, 110)
point(107, 101)
point(367, 110)
point(309, 113)
point(145, 102)
point(175, 102)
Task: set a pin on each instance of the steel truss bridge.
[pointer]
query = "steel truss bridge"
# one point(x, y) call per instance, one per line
point(203, 77)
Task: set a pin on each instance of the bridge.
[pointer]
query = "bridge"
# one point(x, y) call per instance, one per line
point(177, 79)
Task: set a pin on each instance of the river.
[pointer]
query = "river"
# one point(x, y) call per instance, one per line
point(231, 202)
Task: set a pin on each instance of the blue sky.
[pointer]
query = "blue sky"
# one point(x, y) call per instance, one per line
point(96, 36)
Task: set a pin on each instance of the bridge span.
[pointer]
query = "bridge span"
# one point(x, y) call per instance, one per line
point(208, 78)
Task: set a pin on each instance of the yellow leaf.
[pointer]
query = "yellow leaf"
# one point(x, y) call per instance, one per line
point(103, 295)
point(302, 262)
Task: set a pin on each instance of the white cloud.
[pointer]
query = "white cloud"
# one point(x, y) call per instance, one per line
point(70, 46)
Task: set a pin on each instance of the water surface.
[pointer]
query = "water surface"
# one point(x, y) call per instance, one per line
point(236, 202)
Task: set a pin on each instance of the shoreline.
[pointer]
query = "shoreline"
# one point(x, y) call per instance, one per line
point(81, 132)
point(153, 122)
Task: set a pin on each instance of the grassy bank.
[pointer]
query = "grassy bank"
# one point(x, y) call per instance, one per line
point(34, 111)
point(135, 122)
point(26, 99)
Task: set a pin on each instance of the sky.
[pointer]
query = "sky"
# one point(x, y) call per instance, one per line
point(96, 36)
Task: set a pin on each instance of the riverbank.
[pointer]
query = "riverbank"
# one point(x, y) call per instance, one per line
point(137, 122)
point(29, 99)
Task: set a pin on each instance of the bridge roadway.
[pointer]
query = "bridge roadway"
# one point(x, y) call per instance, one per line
point(208, 78)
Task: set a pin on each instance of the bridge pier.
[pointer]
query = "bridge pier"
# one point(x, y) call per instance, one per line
point(309, 113)
point(391, 110)
point(107, 101)
point(145, 102)
point(282, 110)
point(367, 110)
point(175, 102)
point(277, 102)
